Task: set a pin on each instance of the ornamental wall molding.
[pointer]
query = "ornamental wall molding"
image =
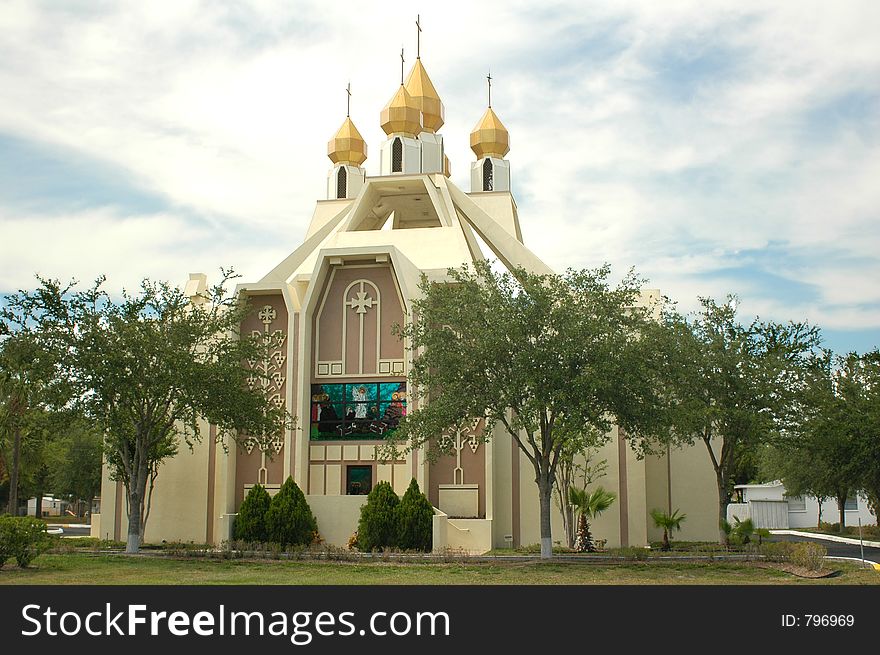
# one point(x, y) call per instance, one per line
point(456, 439)
point(269, 380)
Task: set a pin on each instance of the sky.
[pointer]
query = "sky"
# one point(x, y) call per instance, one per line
point(716, 147)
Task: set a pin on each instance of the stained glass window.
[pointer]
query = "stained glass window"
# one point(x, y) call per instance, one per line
point(361, 410)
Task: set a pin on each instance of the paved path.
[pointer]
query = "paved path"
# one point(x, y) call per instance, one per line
point(71, 530)
point(835, 549)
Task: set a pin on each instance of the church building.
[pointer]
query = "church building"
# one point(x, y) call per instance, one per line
point(326, 313)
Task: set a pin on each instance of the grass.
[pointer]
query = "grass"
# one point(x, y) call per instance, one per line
point(81, 568)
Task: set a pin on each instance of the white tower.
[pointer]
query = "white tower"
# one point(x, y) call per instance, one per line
point(347, 150)
point(490, 141)
point(401, 120)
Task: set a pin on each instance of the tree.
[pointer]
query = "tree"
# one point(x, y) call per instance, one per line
point(669, 522)
point(835, 440)
point(857, 381)
point(802, 469)
point(731, 386)
point(25, 373)
point(548, 358)
point(74, 463)
point(415, 520)
point(378, 527)
point(289, 521)
point(146, 368)
point(250, 524)
point(575, 469)
point(589, 506)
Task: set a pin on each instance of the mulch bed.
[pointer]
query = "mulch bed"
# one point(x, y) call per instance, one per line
point(799, 571)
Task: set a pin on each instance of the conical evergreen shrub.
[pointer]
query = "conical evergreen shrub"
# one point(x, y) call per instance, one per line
point(415, 520)
point(290, 521)
point(377, 528)
point(250, 524)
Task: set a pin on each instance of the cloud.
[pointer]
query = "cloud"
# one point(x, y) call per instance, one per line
point(717, 147)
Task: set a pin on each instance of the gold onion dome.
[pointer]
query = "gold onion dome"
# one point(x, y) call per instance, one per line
point(420, 87)
point(347, 146)
point(490, 138)
point(401, 115)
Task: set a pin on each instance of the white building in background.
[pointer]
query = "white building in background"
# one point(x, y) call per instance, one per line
point(51, 506)
point(769, 507)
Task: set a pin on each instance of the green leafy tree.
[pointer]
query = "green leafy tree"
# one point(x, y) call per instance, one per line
point(803, 470)
point(378, 524)
point(548, 358)
point(250, 524)
point(832, 449)
point(26, 372)
point(576, 468)
point(74, 463)
point(415, 520)
point(588, 506)
point(731, 386)
point(858, 385)
point(146, 368)
point(669, 522)
point(289, 521)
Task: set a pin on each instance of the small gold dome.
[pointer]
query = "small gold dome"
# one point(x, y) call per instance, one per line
point(420, 87)
point(490, 138)
point(347, 146)
point(401, 114)
point(447, 167)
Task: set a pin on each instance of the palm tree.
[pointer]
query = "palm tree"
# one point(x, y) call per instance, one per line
point(588, 506)
point(668, 522)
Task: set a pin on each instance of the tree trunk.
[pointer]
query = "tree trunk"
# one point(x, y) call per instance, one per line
point(38, 510)
point(722, 507)
point(545, 489)
point(13, 474)
point(568, 519)
point(136, 493)
point(841, 510)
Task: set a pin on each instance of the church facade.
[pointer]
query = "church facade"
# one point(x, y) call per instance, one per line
point(326, 315)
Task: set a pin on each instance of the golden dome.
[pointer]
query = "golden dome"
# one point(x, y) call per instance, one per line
point(401, 114)
point(490, 138)
point(347, 146)
point(423, 92)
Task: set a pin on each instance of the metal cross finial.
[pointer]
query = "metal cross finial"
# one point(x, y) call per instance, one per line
point(401, 67)
point(489, 78)
point(418, 37)
point(348, 101)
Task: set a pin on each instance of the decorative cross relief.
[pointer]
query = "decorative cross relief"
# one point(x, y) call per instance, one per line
point(361, 303)
point(456, 438)
point(271, 380)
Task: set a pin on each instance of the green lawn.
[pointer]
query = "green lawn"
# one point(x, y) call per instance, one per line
point(120, 569)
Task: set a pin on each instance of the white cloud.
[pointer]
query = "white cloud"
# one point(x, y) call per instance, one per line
point(670, 136)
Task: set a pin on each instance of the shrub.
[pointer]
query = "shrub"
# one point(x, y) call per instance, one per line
point(415, 520)
point(743, 531)
point(289, 521)
point(630, 553)
point(377, 528)
point(22, 537)
point(250, 524)
point(809, 555)
point(777, 551)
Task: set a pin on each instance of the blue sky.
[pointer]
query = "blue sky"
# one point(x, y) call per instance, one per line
point(717, 147)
